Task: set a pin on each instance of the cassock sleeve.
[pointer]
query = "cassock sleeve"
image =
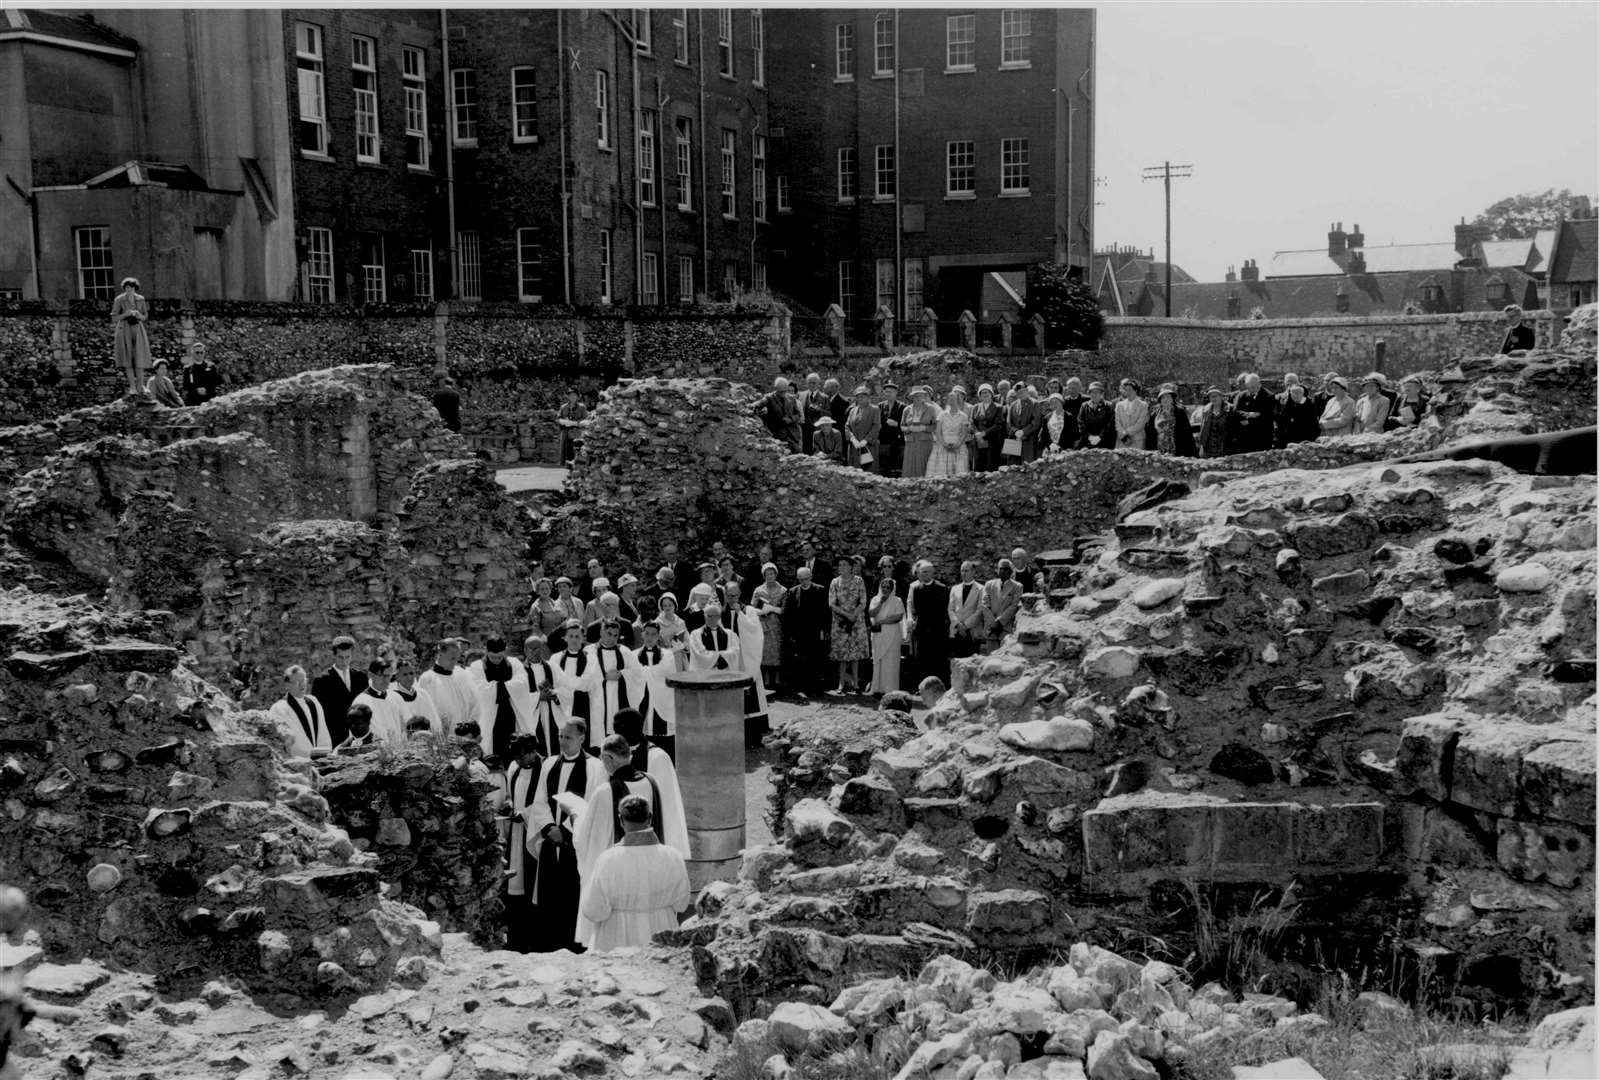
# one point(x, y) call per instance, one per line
point(594, 829)
point(522, 702)
point(751, 643)
point(564, 686)
point(538, 809)
point(681, 893)
point(674, 827)
point(595, 906)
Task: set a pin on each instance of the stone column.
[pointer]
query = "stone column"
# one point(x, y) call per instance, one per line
point(710, 770)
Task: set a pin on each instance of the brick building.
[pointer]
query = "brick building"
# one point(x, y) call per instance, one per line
point(921, 153)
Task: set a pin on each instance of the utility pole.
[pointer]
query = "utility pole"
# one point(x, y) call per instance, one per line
point(1167, 171)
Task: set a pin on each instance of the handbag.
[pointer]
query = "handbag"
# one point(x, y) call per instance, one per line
point(1012, 448)
point(866, 457)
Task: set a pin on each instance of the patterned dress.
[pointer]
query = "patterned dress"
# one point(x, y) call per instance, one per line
point(771, 622)
point(849, 639)
point(951, 433)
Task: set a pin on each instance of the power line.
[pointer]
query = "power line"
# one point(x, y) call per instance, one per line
point(1166, 171)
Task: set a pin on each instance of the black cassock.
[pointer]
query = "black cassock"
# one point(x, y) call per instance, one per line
point(557, 887)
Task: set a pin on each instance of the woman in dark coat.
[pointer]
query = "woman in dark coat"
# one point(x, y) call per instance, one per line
point(1297, 417)
point(1096, 421)
point(1168, 429)
point(1212, 438)
point(988, 424)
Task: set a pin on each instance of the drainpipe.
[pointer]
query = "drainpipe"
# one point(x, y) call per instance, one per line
point(1088, 96)
point(661, 100)
point(705, 208)
point(449, 153)
point(566, 190)
point(899, 219)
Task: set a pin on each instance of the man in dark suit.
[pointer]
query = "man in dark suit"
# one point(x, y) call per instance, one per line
point(683, 573)
point(337, 687)
point(1075, 399)
point(1255, 408)
point(1023, 420)
point(585, 584)
point(837, 403)
point(821, 570)
point(927, 621)
point(805, 625)
point(781, 415)
point(891, 439)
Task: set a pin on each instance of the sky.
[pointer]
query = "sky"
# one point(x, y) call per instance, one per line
point(1403, 117)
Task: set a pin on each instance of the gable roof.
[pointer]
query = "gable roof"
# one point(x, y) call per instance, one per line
point(1515, 253)
point(1408, 258)
point(68, 30)
point(1576, 254)
point(1314, 297)
point(1304, 263)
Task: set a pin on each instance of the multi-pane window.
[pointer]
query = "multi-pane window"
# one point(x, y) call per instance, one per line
point(846, 174)
point(319, 265)
point(844, 51)
point(680, 37)
point(783, 203)
point(374, 278)
point(469, 254)
point(602, 108)
point(758, 276)
point(649, 290)
point(1015, 37)
point(915, 293)
point(313, 99)
point(685, 279)
point(364, 82)
point(413, 69)
point(724, 41)
point(730, 279)
point(758, 42)
point(758, 175)
point(883, 45)
point(685, 163)
point(524, 105)
point(646, 157)
point(422, 273)
point(643, 33)
point(846, 288)
point(1013, 166)
point(885, 286)
point(885, 171)
point(95, 276)
point(729, 172)
point(960, 43)
point(529, 266)
point(463, 90)
point(960, 170)
point(605, 266)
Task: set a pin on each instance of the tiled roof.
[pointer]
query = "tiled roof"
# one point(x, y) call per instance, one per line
point(1317, 297)
point(60, 24)
point(1516, 253)
point(1405, 258)
point(1301, 264)
point(1576, 256)
point(1544, 242)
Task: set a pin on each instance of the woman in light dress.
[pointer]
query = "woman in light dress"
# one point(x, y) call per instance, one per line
point(886, 614)
point(129, 341)
point(546, 615)
point(1053, 436)
point(952, 435)
point(1338, 417)
point(674, 631)
point(1371, 409)
point(767, 603)
point(1132, 417)
point(846, 596)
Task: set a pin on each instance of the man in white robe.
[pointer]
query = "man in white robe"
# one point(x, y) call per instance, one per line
point(651, 760)
point(658, 702)
point(388, 717)
point(410, 699)
point(551, 691)
point(573, 662)
point(636, 888)
point(732, 640)
point(598, 829)
point(713, 647)
point(615, 680)
point(299, 717)
point(523, 795)
point(565, 781)
point(502, 697)
point(451, 688)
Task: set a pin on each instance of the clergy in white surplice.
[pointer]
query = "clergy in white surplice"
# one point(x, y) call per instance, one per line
point(411, 699)
point(452, 690)
point(658, 702)
point(731, 640)
point(502, 697)
point(521, 841)
point(573, 662)
point(614, 680)
point(636, 888)
point(552, 692)
point(388, 714)
point(564, 785)
point(299, 717)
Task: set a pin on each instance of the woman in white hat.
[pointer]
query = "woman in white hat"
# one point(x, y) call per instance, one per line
point(952, 435)
point(1371, 410)
point(921, 417)
point(1338, 418)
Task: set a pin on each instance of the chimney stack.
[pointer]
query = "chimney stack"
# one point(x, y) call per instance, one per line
point(1337, 241)
point(1232, 275)
point(1251, 271)
point(1466, 237)
point(1357, 263)
point(1357, 239)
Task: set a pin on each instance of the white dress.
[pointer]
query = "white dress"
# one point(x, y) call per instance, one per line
point(633, 892)
point(954, 427)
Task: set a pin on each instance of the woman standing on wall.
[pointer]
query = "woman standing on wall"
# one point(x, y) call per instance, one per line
point(132, 347)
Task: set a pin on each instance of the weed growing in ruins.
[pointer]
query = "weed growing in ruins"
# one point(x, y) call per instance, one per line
point(1238, 949)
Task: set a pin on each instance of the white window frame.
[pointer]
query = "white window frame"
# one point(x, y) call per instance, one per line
point(97, 276)
point(1015, 166)
point(960, 169)
point(724, 42)
point(643, 31)
point(844, 52)
point(758, 276)
point(364, 86)
point(648, 175)
point(649, 289)
point(883, 46)
point(784, 203)
point(914, 277)
point(885, 286)
point(606, 252)
point(602, 108)
point(683, 134)
point(846, 287)
point(960, 43)
point(523, 293)
point(422, 273)
point(463, 95)
point(1015, 39)
point(680, 37)
point(730, 284)
point(319, 265)
point(413, 77)
point(758, 43)
point(729, 187)
point(469, 256)
point(374, 273)
point(848, 172)
point(524, 105)
point(758, 175)
point(685, 279)
point(884, 169)
point(311, 86)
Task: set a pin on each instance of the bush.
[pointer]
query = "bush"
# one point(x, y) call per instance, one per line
point(1072, 319)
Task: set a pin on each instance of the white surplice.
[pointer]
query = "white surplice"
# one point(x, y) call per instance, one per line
point(633, 892)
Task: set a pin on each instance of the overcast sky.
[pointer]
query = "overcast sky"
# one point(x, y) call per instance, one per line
point(1399, 116)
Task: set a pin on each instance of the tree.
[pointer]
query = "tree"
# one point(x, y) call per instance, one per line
point(1520, 216)
point(1072, 318)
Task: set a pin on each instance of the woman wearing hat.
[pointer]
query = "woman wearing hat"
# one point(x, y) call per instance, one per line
point(921, 416)
point(766, 601)
point(846, 596)
point(1338, 418)
point(546, 615)
point(129, 341)
point(1410, 406)
point(1168, 429)
point(1371, 410)
point(1132, 417)
point(674, 631)
point(1212, 441)
point(1296, 416)
point(988, 429)
point(951, 434)
point(571, 609)
point(827, 442)
point(1096, 421)
point(1054, 437)
point(862, 426)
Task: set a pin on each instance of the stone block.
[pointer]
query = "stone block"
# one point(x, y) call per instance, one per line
point(1487, 768)
point(1011, 911)
point(1249, 838)
point(1150, 831)
point(1348, 836)
point(1343, 535)
point(1540, 852)
point(1426, 755)
point(1557, 781)
point(1059, 733)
